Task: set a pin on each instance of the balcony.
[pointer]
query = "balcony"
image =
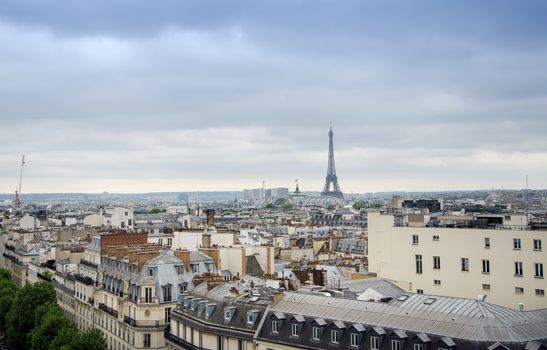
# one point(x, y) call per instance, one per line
point(44, 277)
point(143, 323)
point(179, 342)
point(88, 281)
point(129, 321)
point(89, 263)
point(108, 310)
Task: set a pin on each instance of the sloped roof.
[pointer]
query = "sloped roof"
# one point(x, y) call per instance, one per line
point(449, 317)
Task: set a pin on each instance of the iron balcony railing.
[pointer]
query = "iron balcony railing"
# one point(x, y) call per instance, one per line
point(108, 310)
point(182, 343)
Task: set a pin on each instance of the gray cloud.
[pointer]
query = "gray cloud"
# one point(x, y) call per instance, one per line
point(220, 95)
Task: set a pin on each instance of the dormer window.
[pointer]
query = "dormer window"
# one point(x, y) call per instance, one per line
point(335, 336)
point(180, 269)
point(166, 293)
point(275, 326)
point(316, 333)
point(229, 313)
point(210, 308)
point(150, 272)
point(183, 287)
point(252, 316)
point(295, 329)
point(201, 306)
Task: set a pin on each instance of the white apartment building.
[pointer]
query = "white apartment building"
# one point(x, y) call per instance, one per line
point(506, 265)
point(118, 217)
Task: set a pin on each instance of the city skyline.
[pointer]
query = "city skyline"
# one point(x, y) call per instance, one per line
point(189, 96)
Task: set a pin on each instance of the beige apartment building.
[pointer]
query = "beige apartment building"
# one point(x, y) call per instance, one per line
point(506, 264)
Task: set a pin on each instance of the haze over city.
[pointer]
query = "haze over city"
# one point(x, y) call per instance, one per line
point(172, 96)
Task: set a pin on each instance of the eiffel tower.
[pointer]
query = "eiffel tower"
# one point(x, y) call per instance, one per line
point(331, 180)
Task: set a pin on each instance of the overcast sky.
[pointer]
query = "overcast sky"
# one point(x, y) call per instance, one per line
point(171, 95)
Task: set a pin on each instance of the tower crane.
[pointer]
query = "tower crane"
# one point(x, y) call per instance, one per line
point(18, 190)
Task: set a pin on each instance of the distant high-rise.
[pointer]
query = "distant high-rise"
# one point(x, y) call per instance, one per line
point(331, 180)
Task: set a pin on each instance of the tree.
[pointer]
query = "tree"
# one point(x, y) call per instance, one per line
point(21, 319)
point(359, 205)
point(92, 339)
point(50, 320)
point(7, 295)
point(65, 339)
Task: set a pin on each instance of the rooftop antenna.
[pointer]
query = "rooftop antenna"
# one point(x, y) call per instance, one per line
point(18, 190)
point(527, 200)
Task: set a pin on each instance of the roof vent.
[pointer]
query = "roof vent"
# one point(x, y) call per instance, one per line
point(481, 297)
point(521, 306)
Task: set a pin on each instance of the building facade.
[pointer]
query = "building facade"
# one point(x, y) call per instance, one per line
point(505, 265)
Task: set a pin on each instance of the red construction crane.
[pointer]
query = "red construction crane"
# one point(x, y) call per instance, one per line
point(18, 190)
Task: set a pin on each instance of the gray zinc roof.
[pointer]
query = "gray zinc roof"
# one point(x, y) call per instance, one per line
point(448, 317)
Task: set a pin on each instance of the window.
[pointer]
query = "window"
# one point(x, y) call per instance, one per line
point(436, 262)
point(395, 345)
point(419, 291)
point(485, 287)
point(167, 314)
point(169, 241)
point(465, 264)
point(147, 340)
point(166, 293)
point(415, 239)
point(540, 292)
point(519, 290)
point(537, 244)
point(147, 295)
point(316, 333)
point(295, 329)
point(180, 269)
point(418, 264)
point(435, 237)
point(538, 270)
point(275, 327)
point(183, 287)
point(429, 301)
point(418, 347)
point(486, 242)
point(227, 315)
point(374, 343)
point(334, 336)
point(354, 339)
point(485, 266)
point(195, 268)
point(516, 243)
point(150, 272)
point(518, 268)
point(437, 282)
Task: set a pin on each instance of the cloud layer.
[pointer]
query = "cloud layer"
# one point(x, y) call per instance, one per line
point(181, 95)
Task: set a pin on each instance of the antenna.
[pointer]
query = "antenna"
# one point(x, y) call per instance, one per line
point(527, 199)
point(18, 190)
